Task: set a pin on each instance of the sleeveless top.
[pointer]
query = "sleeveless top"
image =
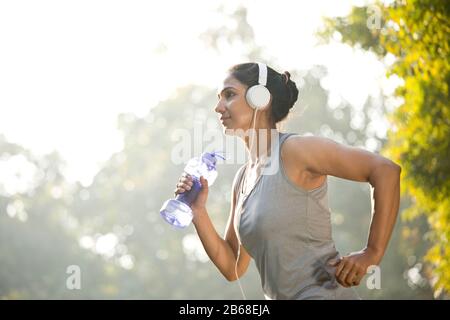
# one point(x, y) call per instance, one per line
point(287, 231)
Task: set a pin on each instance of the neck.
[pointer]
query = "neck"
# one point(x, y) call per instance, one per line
point(258, 143)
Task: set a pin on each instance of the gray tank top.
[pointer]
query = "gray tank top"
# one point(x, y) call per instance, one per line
point(287, 231)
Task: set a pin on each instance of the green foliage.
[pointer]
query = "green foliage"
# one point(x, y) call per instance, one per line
point(354, 26)
point(417, 34)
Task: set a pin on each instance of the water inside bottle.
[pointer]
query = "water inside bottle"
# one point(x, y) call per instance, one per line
point(176, 213)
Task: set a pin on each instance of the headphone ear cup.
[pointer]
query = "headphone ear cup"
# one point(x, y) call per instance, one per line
point(258, 97)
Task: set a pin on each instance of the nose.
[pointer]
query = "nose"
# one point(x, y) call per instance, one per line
point(220, 107)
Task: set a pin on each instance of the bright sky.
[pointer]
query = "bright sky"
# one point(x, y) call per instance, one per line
point(68, 68)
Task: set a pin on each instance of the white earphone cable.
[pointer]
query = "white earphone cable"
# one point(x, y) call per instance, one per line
point(238, 220)
point(235, 271)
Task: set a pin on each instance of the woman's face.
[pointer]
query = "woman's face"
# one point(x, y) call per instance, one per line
point(232, 107)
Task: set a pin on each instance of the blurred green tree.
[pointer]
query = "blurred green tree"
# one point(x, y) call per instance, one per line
point(38, 238)
point(416, 34)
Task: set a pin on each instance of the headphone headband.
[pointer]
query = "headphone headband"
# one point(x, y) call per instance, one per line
point(262, 79)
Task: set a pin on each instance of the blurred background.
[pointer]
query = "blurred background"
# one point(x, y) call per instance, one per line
point(92, 93)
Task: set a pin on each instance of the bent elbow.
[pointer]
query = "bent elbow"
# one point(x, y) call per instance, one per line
point(397, 167)
point(382, 170)
point(231, 277)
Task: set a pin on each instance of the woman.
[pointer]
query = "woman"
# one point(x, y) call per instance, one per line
point(282, 220)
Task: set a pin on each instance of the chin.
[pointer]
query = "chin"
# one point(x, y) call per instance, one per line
point(226, 128)
point(228, 131)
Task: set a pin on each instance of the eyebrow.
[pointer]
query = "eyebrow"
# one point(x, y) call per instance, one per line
point(224, 89)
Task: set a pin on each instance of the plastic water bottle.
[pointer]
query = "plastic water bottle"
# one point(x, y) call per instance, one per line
point(177, 211)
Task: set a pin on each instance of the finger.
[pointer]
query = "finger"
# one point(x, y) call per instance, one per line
point(340, 266)
point(351, 276)
point(186, 182)
point(183, 185)
point(186, 187)
point(185, 174)
point(345, 271)
point(204, 182)
point(359, 275)
point(358, 279)
point(186, 179)
point(342, 283)
point(333, 262)
point(179, 190)
point(355, 279)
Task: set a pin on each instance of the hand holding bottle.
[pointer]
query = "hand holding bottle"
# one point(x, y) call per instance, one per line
point(185, 183)
point(192, 189)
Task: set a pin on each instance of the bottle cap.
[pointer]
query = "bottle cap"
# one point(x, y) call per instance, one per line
point(210, 158)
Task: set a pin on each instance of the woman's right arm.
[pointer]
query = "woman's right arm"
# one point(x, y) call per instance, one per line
point(222, 252)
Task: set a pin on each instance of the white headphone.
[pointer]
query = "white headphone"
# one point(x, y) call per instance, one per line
point(258, 96)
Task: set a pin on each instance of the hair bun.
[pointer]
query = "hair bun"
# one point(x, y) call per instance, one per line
point(290, 89)
point(293, 93)
point(287, 76)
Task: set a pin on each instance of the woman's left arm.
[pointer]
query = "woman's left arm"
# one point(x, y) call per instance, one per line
point(324, 156)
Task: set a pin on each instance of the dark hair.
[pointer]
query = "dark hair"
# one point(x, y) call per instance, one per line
point(284, 95)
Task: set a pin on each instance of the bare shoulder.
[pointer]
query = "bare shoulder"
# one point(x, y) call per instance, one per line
point(296, 158)
point(296, 141)
point(302, 150)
